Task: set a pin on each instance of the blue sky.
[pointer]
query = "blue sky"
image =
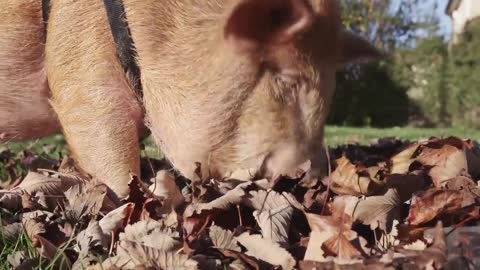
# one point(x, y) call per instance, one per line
point(445, 21)
point(433, 7)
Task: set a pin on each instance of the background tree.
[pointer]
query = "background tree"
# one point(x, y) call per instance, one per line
point(377, 94)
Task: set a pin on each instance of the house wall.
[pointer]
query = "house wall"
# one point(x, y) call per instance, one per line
point(468, 10)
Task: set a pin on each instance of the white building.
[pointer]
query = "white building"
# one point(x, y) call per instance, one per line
point(462, 12)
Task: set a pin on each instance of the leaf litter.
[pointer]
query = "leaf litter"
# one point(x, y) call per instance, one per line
point(390, 205)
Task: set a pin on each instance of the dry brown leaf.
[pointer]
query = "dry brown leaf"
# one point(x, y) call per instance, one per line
point(92, 240)
point(462, 182)
point(378, 211)
point(51, 252)
point(84, 201)
point(401, 162)
point(314, 250)
point(338, 226)
point(116, 219)
point(348, 179)
point(33, 202)
point(232, 197)
point(10, 200)
point(11, 232)
point(223, 239)
point(275, 223)
point(273, 212)
point(434, 256)
point(20, 260)
point(164, 186)
point(150, 233)
point(33, 183)
point(33, 228)
point(131, 255)
point(432, 203)
point(238, 265)
point(263, 199)
point(447, 161)
point(266, 250)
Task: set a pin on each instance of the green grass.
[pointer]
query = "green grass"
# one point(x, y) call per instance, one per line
point(10, 247)
point(54, 148)
point(343, 135)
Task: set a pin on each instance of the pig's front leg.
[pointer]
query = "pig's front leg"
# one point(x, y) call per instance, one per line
point(96, 107)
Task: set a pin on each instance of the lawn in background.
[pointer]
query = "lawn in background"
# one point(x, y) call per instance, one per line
point(346, 135)
point(54, 148)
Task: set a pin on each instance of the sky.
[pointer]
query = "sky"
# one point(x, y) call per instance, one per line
point(445, 21)
point(438, 7)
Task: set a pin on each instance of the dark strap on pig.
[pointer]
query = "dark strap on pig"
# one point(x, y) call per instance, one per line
point(45, 14)
point(124, 43)
point(122, 37)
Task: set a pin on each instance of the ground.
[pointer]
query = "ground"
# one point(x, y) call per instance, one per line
point(418, 186)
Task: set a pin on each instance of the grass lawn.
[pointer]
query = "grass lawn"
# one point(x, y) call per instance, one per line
point(342, 135)
point(52, 147)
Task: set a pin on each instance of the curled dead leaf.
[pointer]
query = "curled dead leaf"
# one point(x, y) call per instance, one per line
point(434, 202)
point(349, 179)
point(116, 219)
point(164, 186)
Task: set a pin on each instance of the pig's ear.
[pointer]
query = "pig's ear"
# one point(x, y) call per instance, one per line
point(356, 49)
point(256, 24)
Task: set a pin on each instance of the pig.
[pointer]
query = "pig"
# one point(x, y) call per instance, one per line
point(25, 112)
point(229, 85)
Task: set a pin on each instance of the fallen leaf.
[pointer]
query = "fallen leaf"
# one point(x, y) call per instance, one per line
point(434, 256)
point(20, 260)
point(84, 201)
point(164, 186)
point(432, 203)
point(34, 182)
point(53, 254)
point(314, 250)
point(232, 197)
point(131, 254)
point(11, 232)
point(273, 212)
point(116, 219)
point(34, 228)
point(463, 182)
point(92, 240)
point(348, 179)
point(150, 233)
point(401, 162)
point(447, 161)
point(223, 239)
point(339, 240)
point(378, 211)
point(266, 250)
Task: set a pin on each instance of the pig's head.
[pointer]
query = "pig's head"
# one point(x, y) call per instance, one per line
point(243, 84)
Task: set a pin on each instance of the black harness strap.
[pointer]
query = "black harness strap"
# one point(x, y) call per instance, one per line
point(45, 14)
point(121, 36)
point(124, 43)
